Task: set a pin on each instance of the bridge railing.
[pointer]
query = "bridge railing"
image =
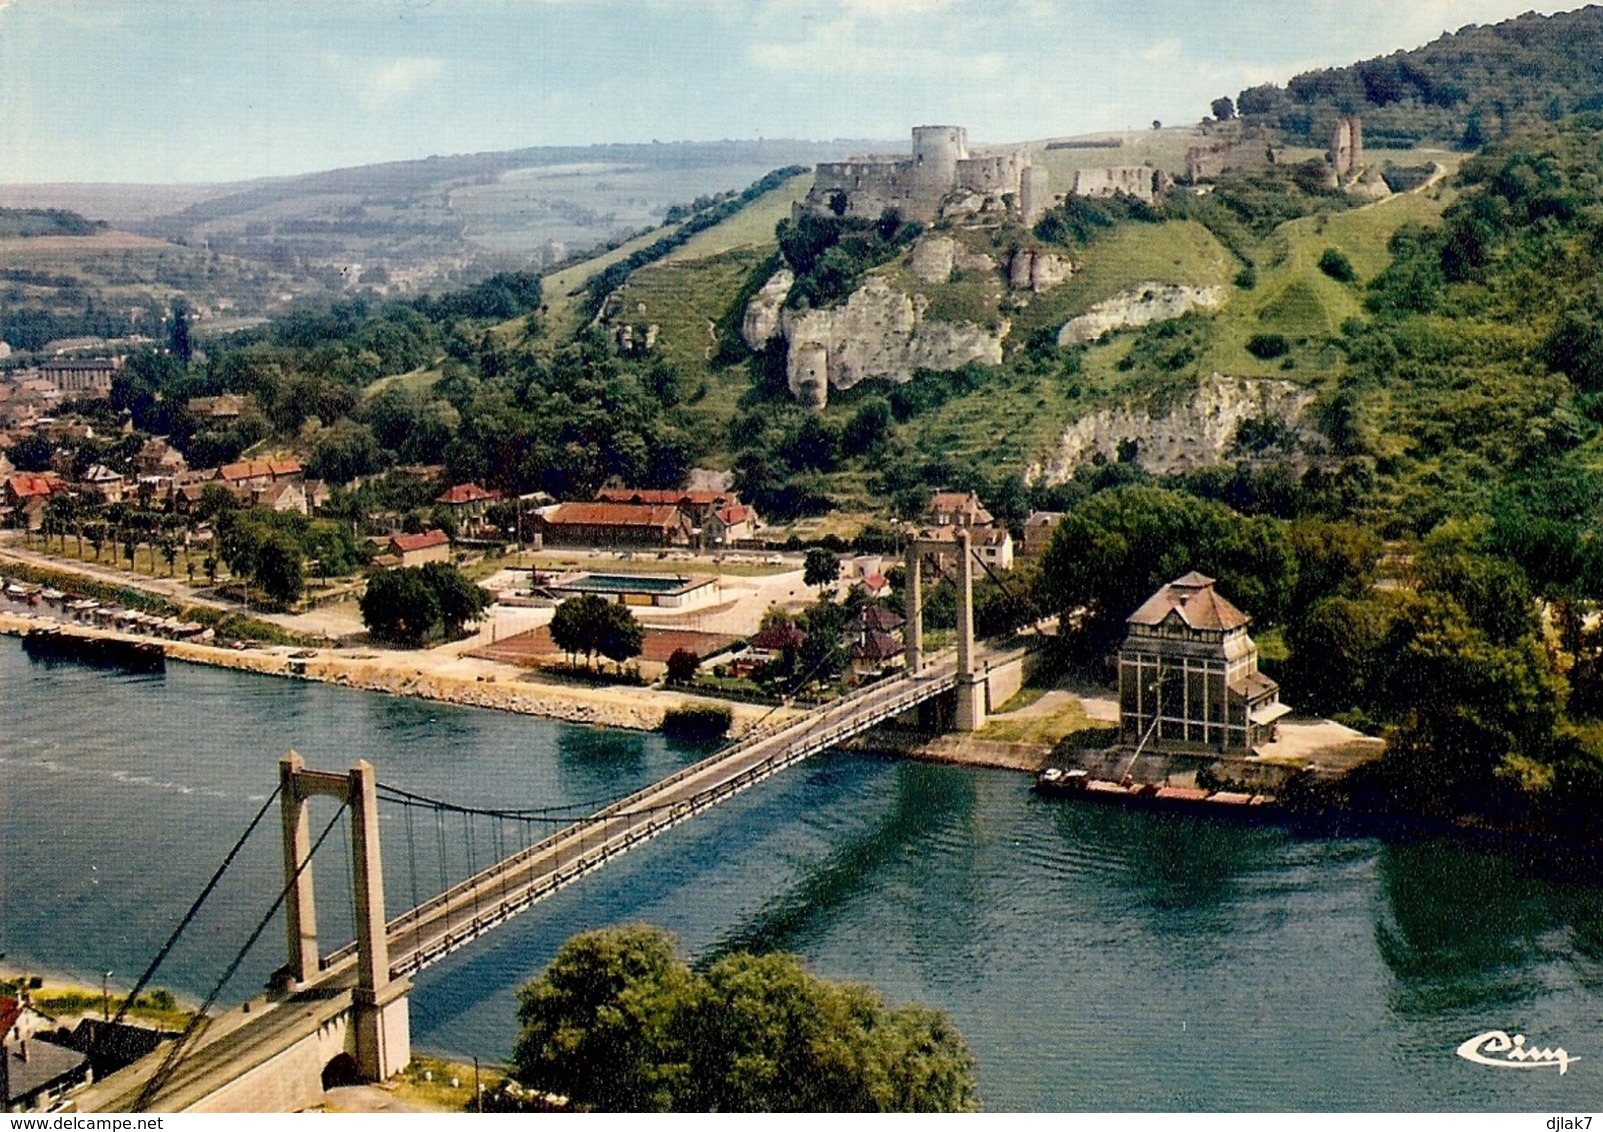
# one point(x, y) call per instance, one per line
point(614, 844)
point(802, 738)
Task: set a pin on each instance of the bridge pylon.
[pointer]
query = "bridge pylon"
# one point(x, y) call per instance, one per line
point(381, 1025)
point(970, 684)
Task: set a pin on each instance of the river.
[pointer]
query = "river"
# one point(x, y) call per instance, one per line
point(1094, 958)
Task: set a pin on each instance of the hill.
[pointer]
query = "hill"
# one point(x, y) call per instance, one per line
point(406, 225)
point(1464, 89)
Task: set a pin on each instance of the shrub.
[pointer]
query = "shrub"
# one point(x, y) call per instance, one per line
point(1267, 346)
point(682, 665)
point(698, 723)
point(1337, 266)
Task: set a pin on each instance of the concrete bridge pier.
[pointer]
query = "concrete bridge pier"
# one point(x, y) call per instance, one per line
point(913, 628)
point(970, 684)
point(380, 1028)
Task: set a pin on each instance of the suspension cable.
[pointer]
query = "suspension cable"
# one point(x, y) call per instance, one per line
point(159, 1078)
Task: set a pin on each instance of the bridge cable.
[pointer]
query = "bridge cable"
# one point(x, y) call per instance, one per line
point(165, 1070)
point(411, 868)
point(439, 837)
point(194, 909)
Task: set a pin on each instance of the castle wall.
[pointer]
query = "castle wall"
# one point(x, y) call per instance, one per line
point(993, 174)
point(1133, 180)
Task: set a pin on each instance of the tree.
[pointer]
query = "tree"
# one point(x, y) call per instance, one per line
point(618, 1022)
point(399, 605)
point(1223, 109)
point(458, 600)
point(619, 636)
point(821, 568)
point(576, 625)
point(279, 568)
point(596, 1022)
point(682, 665)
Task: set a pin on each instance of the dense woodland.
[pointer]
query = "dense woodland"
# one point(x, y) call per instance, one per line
point(1477, 85)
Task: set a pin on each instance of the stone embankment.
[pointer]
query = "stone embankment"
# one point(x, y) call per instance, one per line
point(430, 675)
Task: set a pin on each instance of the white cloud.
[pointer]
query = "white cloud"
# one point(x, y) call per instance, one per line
point(379, 83)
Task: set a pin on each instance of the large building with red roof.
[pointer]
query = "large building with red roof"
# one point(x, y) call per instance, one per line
point(614, 524)
point(1188, 675)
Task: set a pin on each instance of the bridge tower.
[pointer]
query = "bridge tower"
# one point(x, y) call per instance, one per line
point(970, 684)
point(913, 626)
point(381, 1021)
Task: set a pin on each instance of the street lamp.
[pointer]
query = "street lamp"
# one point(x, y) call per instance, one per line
point(105, 994)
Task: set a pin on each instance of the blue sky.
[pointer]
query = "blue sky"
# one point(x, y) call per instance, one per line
point(195, 90)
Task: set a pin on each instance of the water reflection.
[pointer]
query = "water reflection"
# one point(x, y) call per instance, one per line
point(1465, 927)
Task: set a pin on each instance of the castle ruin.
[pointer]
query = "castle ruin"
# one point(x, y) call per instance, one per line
point(917, 187)
point(1347, 147)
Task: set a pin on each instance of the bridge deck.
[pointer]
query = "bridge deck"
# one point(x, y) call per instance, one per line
point(466, 911)
point(423, 935)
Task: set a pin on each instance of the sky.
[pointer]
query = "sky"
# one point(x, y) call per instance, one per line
point(163, 91)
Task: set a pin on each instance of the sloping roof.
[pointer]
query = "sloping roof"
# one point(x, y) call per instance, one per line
point(700, 497)
point(47, 1065)
point(879, 619)
point(959, 503)
point(1253, 686)
point(255, 469)
point(406, 544)
point(611, 515)
point(777, 638)
point(26, 484)
point(1193, 599)
point(465, 493)
point(734, 514)
point(876, 647)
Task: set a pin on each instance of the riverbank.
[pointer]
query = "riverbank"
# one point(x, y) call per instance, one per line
point(444, 674)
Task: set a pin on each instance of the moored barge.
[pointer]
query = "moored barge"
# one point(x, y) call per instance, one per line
point(108, 652)
point(1074, 783)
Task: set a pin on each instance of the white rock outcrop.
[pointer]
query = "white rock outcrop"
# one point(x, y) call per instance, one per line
point(932, 258)
point(880, 332)
point(1198, 433)
point(1141, 304)
point(761, 321)
point(1034, 270)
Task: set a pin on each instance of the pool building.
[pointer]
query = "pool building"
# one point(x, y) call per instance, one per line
point(665, 591)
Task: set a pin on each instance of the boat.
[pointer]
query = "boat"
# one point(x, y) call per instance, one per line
point(1073, 782)
point(107, 652)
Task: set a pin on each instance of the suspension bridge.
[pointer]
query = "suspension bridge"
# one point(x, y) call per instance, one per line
point(345, 1013)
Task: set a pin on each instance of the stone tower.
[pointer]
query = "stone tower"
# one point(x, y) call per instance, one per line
point(936, 152)
point(1347, 147)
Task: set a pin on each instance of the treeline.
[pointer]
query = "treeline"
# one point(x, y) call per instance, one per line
point(25, 223)
point(716, 211)
point(1465, 89)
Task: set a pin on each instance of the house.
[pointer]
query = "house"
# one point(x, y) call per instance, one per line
point(730, 524)
point(318, 493)
point(416, 550)
point(281, 495)
point(34, 1072)
point(158, 458)
point(1038, 531)
point(255, 473)
point(875, 584)
point(991, 544)
point(24, 494)
point(103, 483)
point(467, 503)
point(1188, 675)
point(876, 647)
point(994, 545)
point(613, 524)
point(226, 407)
point(956, 509)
